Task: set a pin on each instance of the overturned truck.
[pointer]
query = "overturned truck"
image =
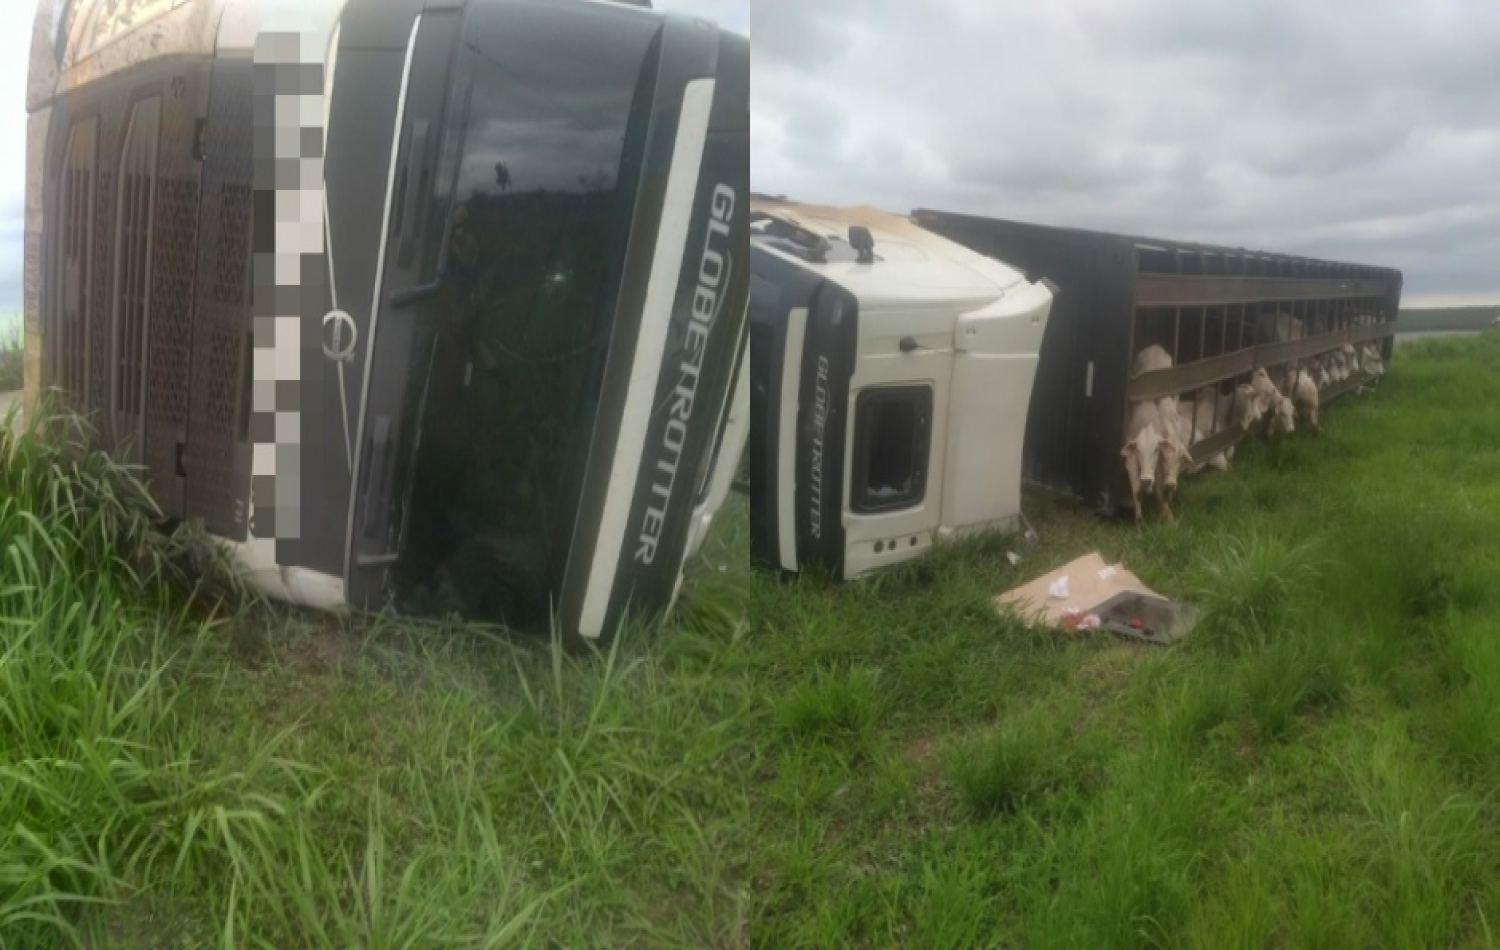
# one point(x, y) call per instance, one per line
point(1220, 312)
point(891, 372)
point(430, 303)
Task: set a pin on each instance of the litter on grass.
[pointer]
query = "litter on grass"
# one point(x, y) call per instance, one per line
point(1087, 594)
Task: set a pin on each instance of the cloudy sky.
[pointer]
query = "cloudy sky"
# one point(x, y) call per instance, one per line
point(1364, 130)
point(1358, 130)
point(15, 46)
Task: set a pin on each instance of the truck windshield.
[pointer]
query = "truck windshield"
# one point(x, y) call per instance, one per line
point(511, 343)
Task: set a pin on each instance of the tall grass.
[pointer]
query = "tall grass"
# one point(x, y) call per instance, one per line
point(82, 696)
point(156, 791)
point(1256, 584)
point(1312, 767)
point(790, 763)
point(12, 363)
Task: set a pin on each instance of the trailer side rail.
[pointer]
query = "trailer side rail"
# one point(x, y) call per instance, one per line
point(1187, 377)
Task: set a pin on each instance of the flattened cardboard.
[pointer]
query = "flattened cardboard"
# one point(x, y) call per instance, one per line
point(1090, 583)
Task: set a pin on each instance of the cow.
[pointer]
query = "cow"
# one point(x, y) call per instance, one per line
point(1305, 400)
point(1153, 455)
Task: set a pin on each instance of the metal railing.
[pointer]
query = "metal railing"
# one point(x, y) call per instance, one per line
point(1189, 377)
point(1187, 290)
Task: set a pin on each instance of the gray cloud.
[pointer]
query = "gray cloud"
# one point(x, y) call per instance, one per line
point(807, 38)
point(1361, 130)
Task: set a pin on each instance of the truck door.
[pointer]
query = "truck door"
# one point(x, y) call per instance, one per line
point(399, 353)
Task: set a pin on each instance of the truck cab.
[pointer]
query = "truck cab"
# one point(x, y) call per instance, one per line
point(427, 304)
point(891, 377)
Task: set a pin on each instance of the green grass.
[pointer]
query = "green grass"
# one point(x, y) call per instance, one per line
point(794, 763)
point(1313, 767)
point(11, 355)
point(183, 771)
point(1447, 318)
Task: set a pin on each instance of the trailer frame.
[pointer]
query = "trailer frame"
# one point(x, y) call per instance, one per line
point(1206, 304)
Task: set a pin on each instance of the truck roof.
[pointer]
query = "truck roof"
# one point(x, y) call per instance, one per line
point(910, 263)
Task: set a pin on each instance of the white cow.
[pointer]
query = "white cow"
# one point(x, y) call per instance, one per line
point(1305, 400)
point(1265, 390)
point(1150, 359)
point(1243, 410)
point(1351, 358)
point(1201, 417)
point(1273, 404)
point(1339, 369)
point(1246, 408)
point(1165, 441)
point(1152, 448)
point(1283, 417)
point(1282, 327)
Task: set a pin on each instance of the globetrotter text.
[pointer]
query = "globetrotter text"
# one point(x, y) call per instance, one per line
point(714, 269)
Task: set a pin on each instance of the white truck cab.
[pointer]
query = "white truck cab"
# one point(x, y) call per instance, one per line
point(891, 377)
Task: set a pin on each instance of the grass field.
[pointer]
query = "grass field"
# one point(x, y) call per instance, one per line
point(10, 354)
point(886, 763)
point(1447, 318)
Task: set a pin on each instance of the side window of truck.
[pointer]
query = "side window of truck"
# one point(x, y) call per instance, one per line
point(892, 436)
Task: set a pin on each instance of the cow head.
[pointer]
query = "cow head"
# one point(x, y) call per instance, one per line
point(1142, 455)
point(1284, 418)
point(1173, 456)
point(1265, 393)
point(1248, 408)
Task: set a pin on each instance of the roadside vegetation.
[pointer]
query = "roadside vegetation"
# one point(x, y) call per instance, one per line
point(788, 764)
point(11, 357)
point(179, 768)
point(1447, 318)
point(1315, 766)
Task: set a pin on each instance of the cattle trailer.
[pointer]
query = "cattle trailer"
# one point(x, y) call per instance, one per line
point(437, 304)
point(1208, 306)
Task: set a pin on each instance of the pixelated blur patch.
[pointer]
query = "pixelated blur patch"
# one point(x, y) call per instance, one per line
point(288, 248)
